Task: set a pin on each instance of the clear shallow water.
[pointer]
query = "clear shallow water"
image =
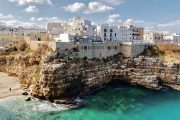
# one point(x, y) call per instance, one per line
point(113, 103)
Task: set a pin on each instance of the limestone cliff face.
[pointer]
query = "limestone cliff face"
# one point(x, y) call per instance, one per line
point(71, 77)
point(58, 75)
point(24, 66)
point(63, 76)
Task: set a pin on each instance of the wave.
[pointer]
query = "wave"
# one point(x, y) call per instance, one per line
point(51, 107)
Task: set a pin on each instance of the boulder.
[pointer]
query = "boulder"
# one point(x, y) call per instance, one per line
point(28, 99)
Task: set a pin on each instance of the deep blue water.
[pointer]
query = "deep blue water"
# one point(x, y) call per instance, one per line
point(113, 103)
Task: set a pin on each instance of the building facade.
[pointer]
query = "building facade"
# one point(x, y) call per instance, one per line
point(155, 37)
point(120, 33)
point(174, 38)
point(108, 33)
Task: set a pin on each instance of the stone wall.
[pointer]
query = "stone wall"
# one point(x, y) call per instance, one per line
point(98, 50)
point(132, 50)
point(61, 45)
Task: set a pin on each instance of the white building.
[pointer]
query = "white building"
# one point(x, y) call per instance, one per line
point(7, 30)
point(19, 31)
point(107, 32)
point(136, 33)
point(77, 26)
point(124, 33)
point(155, 37)
point(174, 38)
point(65, 37)
point(80, 27)
point(54, 29)
point(120, 33)
point(68, 30)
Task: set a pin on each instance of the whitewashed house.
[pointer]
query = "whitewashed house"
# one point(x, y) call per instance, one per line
point(107, 32)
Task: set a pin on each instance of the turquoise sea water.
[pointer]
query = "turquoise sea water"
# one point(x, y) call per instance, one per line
point(113, 103)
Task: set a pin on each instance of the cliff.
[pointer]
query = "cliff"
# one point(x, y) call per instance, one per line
point(26, 65)
point(58, 75)
point(63, 77)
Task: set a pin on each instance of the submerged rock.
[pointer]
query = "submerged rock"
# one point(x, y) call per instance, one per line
point(28, 99)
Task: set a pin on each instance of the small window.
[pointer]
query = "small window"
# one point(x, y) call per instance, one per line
point(39, 39)
point(105, 30)
point(110, 34)
point(104, 34)
point(111, 30)
point(109, 48)
point(115, 47)
point(85, 47)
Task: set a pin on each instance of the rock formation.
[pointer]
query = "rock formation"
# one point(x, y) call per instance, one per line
point(63, 76)
point(60, 75)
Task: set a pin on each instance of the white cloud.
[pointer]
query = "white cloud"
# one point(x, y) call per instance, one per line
point(27, 2)
point(170, 24)
point(33, 19)
point(12, 21)
point(6, 16)
point(149, 26)
point(114, 19)
point(32, 9)
point(76, 7)
point(92, 7)
point(48, 19)
point(42, 21)
point(113, 2)
point(129, 22)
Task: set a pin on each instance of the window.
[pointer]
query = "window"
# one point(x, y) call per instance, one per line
point(85, 47)
point(104, 34)
point(109, 48)
point(39, 39)
point(111, 30)
point(115, 34)
point(105, 30)
point(110, 34)
point(115, 47)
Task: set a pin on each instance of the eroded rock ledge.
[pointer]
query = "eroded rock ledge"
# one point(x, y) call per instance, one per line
point(63, 76)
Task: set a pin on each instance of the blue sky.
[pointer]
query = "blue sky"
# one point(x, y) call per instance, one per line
point(157, 15)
